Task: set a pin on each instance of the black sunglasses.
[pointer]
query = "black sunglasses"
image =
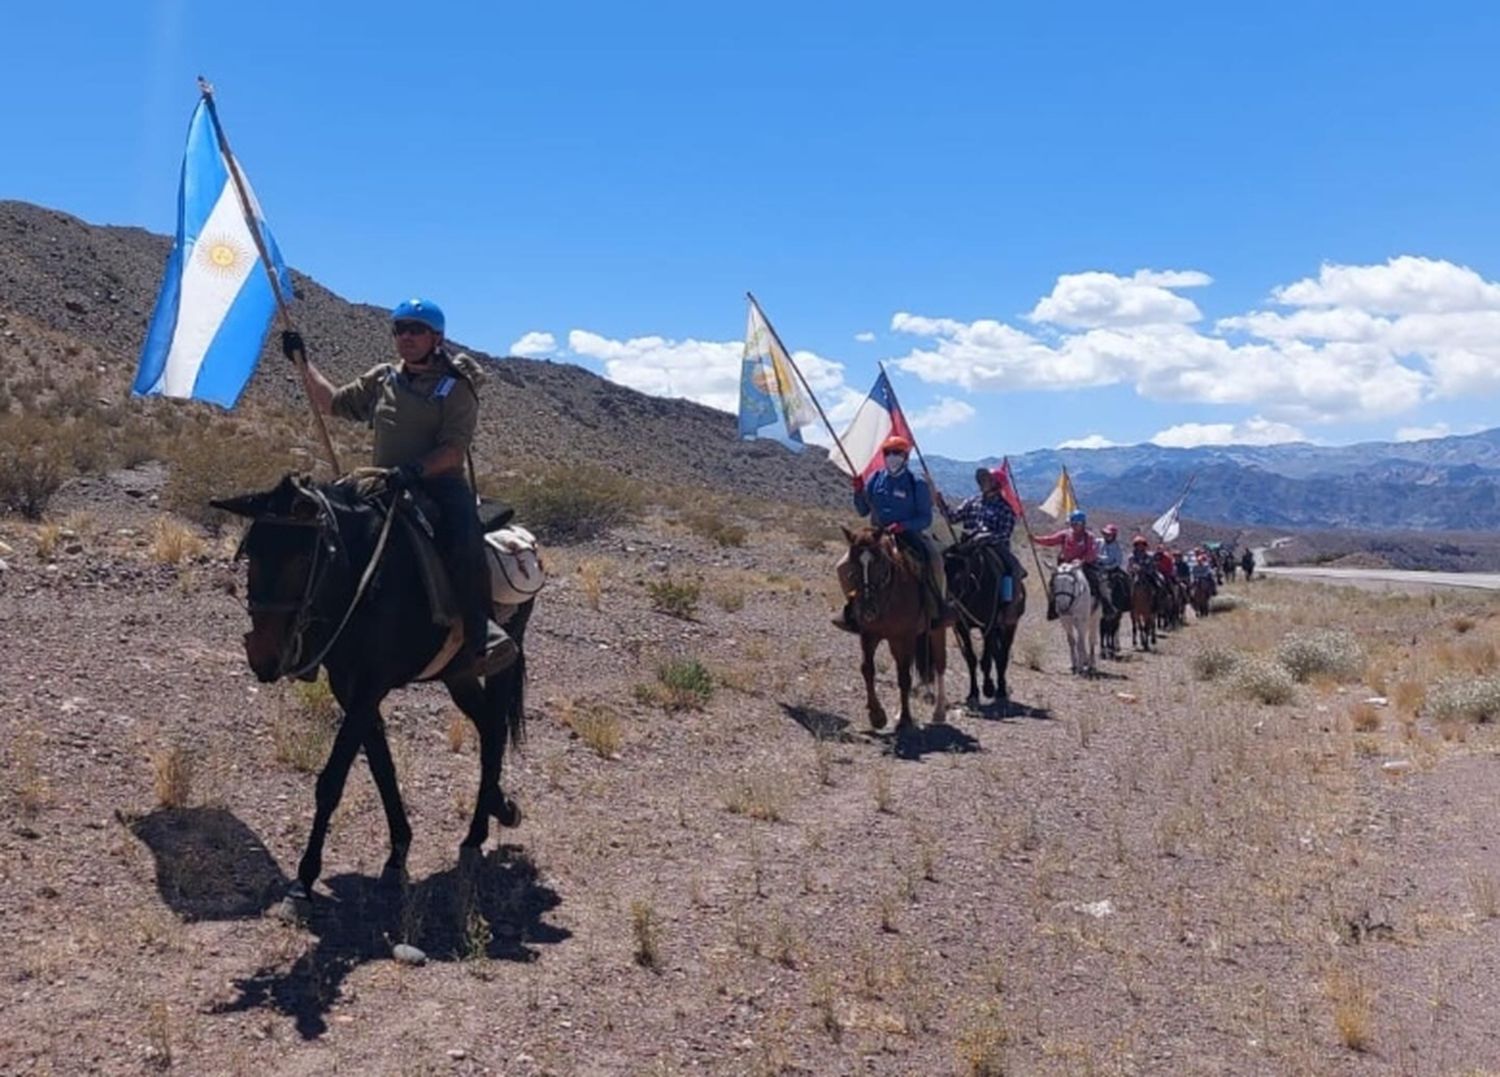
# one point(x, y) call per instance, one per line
point(409, 329)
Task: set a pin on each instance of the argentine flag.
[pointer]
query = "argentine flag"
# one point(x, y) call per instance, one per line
point(215, 301)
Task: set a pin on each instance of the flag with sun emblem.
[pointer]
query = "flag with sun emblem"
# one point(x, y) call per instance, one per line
point(772, 401)
point(216, 300)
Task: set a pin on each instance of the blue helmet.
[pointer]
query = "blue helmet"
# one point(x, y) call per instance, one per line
point(1077, 517)
point(419, 310)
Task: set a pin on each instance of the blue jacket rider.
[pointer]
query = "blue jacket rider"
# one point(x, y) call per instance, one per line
point(901, 503)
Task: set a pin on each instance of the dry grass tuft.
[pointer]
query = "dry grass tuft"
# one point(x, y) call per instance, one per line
point(1484, 895)
point(172, 776)
point(457, 733)
point(591, 576)
point(715, 526)
point(1353, 1009)
point(675, 598)
point(1364, 718)
point(46, 538)
point(645, 928)
point(1225, 603)
point(599, 728)
point(760, 795)
point(172, 543)
point(880, 788)
point(32, 792)
point(981, 1046)
point(303, 730)
point(1409, 696)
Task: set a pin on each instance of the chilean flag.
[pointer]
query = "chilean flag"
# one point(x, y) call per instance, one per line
point(878, 418)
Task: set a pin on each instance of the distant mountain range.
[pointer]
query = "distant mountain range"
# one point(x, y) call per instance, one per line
point(1450, 483)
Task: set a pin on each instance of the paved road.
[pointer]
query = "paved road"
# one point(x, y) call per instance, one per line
point(1388, 579)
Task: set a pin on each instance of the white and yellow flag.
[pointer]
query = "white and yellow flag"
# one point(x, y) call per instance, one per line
point(1060, 502)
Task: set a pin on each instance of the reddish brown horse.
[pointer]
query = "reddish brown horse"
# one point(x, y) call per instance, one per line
point(886, 591)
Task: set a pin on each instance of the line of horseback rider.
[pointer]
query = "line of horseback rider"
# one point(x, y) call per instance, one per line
point(901, 503)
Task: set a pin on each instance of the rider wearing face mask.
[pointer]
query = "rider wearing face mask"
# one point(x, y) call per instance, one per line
point(900, 502)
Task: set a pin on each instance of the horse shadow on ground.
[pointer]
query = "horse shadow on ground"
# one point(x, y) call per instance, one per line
point(487, 907)
point(999, 710)
point(820, 724)
point(914, 742)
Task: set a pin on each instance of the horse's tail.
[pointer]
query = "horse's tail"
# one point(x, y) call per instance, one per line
point(513, 686)
point(925, 643)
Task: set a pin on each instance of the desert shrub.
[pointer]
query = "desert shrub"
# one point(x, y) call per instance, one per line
point(599, 728)
point(571, 503)
point(757, 794)
point(1321, 651)
point(31, 466)
point(303, 731)
point(715, 526)
point(1259, 679)
point(206, 465)
point(681, 684)
point(173, 543)
point(1213, 661)
point(1225, 603)
point(675, 598)
point(1473, 699)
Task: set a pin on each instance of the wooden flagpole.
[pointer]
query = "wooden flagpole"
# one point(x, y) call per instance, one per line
point(240, 188)
point(936, 493)
point(853, 471)
point(1030, 538)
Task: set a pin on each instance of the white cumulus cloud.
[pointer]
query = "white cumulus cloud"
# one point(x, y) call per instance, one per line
point(1253, 431)
point(1353, 343)
point(1093, 300)
point(1090, 441)
point(533, 344)
point(702, 370)
point(865, 337)
point(946, 412)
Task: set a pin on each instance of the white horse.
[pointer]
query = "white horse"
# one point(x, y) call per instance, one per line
point(1079, 612)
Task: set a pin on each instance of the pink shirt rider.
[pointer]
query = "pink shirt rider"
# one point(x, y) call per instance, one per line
point(1075, 547)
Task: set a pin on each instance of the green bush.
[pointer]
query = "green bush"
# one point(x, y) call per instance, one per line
point(1321, 651)
point(1268, 682)
point(681, 684)
point(1470, 699)
point(568, 504)
point(1212, 662)
point(674, 598)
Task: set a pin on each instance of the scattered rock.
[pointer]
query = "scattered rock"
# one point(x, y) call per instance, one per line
point(1126, 697)
point(1097, 909)
point(1378, 701)
point(3, 567)
point(408, 955)
point(1397, 766)
point(457, 1053)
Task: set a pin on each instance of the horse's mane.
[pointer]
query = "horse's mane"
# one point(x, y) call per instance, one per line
point(884, 544)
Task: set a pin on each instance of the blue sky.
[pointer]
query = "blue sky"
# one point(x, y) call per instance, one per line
point(1189, 222)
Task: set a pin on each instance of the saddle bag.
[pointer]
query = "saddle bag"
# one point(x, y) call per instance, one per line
point(517, 573)
point(515, 566)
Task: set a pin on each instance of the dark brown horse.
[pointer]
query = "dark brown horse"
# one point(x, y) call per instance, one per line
point(331, 583)
point(976, 572)
point(1145, 585)
point(889, 604)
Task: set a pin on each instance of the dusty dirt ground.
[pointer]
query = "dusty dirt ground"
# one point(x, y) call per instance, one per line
point(1143, 873)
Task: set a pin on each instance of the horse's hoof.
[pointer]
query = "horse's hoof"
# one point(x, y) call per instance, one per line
point(393, 874)
point(296, 908)
point(972, 702)
point(507, 812)
point(877, 719)
point(939, 715)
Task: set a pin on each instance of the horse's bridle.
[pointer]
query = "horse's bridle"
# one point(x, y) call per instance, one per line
point(328, 549)
point(1072, 593)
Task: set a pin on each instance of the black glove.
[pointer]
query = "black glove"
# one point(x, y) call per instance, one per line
point(291, 344)
point(405, 477)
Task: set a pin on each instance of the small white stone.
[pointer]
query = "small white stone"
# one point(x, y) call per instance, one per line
point(457, 1053)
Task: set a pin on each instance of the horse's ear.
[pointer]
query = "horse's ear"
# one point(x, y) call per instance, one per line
point(251, 505)
point(849, 535)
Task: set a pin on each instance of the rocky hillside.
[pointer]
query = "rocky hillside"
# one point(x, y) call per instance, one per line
point(1442, 484)
point(86, 293)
